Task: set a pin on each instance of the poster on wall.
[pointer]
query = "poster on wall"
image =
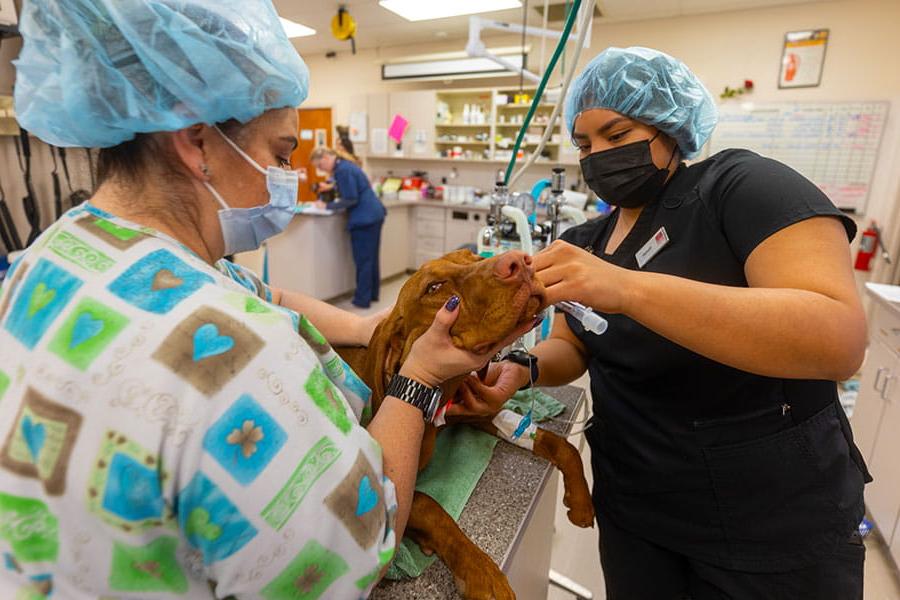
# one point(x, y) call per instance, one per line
point(358, 127)
point(803, 58)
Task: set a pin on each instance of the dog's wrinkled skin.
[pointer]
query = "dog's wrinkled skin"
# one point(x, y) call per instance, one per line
point(497, 296)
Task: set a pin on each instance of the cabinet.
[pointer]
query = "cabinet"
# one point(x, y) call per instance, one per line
point(462, 227)
point(418, 108)
point(876, 419)
point(429, 234)
point(395, 242)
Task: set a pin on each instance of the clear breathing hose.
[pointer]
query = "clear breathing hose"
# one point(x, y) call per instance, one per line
point(563, 40)
point(548, 130)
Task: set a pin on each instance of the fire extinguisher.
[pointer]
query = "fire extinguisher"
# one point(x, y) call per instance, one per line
point(866, 248)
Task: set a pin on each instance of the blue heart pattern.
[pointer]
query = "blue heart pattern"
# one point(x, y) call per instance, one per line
point(35, 435)
point(86, 327)
point(208, 342)
point(367, 498)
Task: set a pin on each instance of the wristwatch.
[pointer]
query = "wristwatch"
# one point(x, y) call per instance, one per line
point(526, 359)
point(419, 395)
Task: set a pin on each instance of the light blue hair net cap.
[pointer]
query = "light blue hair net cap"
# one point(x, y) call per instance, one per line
point(648, 86)
point(96, 72)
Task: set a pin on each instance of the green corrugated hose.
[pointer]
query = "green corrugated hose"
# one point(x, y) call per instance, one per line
point(567, 29)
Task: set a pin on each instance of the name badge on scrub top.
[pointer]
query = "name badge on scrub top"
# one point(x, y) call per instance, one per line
point(652, 247)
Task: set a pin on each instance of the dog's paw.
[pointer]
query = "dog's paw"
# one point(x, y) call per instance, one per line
point(489, 583)
point(581, 511)
point(582, 516)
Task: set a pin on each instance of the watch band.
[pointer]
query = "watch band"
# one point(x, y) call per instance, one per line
point(417, 394)
point(526, 359)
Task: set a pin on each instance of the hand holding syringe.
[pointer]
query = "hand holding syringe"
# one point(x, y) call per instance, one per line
point(590, 320)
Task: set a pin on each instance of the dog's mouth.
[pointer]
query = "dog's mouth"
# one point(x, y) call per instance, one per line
point(532, 308)
point(528, 303)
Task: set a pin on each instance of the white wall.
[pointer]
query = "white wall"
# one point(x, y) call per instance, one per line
point(723, 49)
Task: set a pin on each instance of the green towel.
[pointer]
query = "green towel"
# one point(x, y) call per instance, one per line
point(545, 406)
point(461, 454)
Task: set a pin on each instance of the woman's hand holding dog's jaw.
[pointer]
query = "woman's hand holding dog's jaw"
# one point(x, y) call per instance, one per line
point(433, 359)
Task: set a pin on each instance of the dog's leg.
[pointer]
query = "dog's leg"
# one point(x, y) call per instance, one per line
point(564, 456)
point(477, 577)
point(577, 495)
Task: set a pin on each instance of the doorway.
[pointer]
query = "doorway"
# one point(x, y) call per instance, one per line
point(315, 130)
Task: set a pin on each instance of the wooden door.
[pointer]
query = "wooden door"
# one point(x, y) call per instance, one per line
point(315, 123)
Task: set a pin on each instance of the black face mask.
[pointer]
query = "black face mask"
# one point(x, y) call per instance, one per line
point(625, 176)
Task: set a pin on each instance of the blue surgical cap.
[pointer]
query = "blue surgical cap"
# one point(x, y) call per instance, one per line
point(648, 86)
point(96, 72)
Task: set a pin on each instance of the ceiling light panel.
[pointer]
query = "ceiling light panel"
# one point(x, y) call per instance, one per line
point(419, 10)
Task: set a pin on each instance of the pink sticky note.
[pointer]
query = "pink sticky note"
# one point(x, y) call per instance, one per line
point(398, 127)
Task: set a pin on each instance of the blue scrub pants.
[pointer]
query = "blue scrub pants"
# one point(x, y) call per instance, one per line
point(366, 243)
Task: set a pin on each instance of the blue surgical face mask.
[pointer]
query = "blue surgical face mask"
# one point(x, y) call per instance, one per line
point(246, 229)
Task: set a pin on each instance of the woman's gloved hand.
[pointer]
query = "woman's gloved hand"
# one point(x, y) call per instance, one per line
point(485, 396)
point(571, 273)
point(433, 359)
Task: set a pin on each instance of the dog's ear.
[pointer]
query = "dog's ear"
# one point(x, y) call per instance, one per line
point(386, 349)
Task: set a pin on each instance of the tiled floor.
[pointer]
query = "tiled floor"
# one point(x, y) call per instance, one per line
point(575, 552)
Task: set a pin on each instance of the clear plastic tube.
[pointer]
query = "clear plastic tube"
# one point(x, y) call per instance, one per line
point(590, 320)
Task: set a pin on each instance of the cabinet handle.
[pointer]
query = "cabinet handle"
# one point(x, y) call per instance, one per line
point(884, 389)
point(881, 370)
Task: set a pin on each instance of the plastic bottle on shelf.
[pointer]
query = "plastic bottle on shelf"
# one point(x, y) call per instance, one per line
point(467, 114)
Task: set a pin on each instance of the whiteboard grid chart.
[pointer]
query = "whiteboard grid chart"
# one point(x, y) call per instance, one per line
point(833, 144)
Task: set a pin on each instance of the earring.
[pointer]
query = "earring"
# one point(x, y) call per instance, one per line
point(204, 169)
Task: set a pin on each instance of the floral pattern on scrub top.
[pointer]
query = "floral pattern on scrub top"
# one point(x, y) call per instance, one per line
point(166, 430)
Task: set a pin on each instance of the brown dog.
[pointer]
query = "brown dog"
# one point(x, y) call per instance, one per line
point(497, 296)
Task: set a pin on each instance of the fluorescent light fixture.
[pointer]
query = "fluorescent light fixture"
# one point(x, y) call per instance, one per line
point(424, 10)
point(294, 29)
point(447, 67)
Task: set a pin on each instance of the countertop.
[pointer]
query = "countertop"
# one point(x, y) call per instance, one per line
point(498, 511)
point(389, 204)
point(886, 295)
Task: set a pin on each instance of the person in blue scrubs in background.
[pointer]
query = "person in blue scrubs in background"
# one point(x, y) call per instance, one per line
point(365, 217)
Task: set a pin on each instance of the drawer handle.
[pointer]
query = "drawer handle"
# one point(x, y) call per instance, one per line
point(878, 375)
point(885, 395)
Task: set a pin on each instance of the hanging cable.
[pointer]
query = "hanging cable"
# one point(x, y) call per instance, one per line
point(57, 188)
point(29, 202)
point(543, 37)
point(524, 27)
point(548, 130)
point(6, 224)
point(567, 29)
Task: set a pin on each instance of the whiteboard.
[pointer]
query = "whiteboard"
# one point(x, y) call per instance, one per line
point(833, 144)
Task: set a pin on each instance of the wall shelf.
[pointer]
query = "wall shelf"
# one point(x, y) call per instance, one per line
point(452, 104)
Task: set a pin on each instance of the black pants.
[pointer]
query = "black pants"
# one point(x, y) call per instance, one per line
point(636, 569)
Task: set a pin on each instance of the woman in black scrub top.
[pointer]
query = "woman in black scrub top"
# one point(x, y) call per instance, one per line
point(723, 464)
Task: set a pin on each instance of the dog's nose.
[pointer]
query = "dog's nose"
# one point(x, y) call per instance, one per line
point(511, 266)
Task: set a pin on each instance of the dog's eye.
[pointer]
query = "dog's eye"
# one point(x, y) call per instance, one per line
point(434, 287)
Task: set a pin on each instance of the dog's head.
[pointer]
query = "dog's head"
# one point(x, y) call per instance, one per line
point(497, 296)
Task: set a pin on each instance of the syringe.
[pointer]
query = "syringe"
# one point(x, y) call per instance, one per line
point(590, 320)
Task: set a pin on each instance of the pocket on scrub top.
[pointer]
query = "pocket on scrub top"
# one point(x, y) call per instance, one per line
point(778, 495)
